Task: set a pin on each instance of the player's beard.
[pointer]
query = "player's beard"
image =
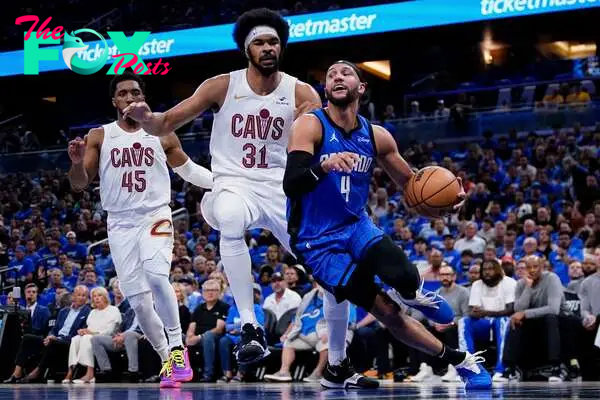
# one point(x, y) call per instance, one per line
point(493, 281)
point(351, 96)
point(266, 71)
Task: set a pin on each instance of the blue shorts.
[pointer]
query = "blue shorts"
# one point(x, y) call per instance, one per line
point(334, 256)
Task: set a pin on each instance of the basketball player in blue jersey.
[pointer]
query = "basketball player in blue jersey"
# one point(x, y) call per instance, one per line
point(332, 152)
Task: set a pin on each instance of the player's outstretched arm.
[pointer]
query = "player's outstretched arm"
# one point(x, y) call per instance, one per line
point(212, 91)
point(183, 165)
point(301, 174)
point(85, 155)
point(389, 157)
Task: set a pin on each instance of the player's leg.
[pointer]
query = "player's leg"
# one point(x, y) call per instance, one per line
point(336, 314)
point(231, 214)
point(124, 241)
point(156, 248)
point(386, 260)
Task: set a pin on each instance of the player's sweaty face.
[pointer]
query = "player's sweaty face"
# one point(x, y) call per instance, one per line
point(127, 92)
point(265, 53)
point(342, 85)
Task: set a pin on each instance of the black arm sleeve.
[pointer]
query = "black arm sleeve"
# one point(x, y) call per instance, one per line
point(300, 177)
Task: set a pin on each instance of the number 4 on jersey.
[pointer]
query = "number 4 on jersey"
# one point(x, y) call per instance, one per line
point(128, 181)
point(345, 187)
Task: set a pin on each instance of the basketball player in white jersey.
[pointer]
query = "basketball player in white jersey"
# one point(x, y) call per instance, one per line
point(257, 106)
point(134, 190)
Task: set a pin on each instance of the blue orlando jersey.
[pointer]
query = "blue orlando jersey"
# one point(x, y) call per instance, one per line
point(340, 198)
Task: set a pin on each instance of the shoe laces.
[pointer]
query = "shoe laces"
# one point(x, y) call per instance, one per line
point(471, 361)
point(167, 369)
point(178, 358)
point(429, 299)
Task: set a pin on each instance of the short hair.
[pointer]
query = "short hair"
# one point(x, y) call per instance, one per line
point(126, 76)
point(260, 16)
point(177, 285)
point(102, 291)
point(31, 285)
point(212, 282)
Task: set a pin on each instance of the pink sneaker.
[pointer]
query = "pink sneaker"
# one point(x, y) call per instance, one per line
point(182, 371)
point(166, 376)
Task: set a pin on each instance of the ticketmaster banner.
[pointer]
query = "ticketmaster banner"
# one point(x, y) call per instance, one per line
point(317, 26)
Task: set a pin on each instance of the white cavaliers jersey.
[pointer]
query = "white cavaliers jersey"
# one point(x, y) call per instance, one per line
point(133, 171)
point(250, 132)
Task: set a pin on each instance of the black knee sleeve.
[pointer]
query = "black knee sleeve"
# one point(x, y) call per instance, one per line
point(391, 265)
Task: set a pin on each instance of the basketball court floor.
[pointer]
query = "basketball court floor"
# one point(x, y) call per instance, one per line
point(235, 391)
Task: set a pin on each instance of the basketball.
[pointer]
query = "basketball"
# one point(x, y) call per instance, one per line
point(432, 191)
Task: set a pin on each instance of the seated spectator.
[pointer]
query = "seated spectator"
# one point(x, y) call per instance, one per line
point(490, 303)
point(589, 293)
point(508, 266)
point(451, 256)
point(226, 294)
point(31, 342)
point(471, 241)
point(104, 262)
point(575, 276)
point(282, 299)
point(529, 230)
point(23, 267)
point(465, 262)
point(55, 283)
point(126, 338)
point(490, 253)
point(264, 280)
point(530, 248)
point(206, 328)
point(474, 274)
point(232, 337)
point(432, 273)
point(194, 297)
point(307, 332)
point(69, 322)
point(200, 272)
point(487, 231)
point(539, 300)
point(104, 319)
point(291, 275)
point(90, 278)
point(182, 302)
point(75, 251)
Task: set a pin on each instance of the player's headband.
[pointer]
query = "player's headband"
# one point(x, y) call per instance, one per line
point(256, 32)
point(353, 66)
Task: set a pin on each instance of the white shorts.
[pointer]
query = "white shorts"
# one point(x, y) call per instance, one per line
point(265, 206)
point(134, 238)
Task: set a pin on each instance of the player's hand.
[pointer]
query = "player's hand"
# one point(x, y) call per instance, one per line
point(76, 149)
point(461, 197)
point(589, 322)
point(49, 339)
point(139, 112)
point(340, 162)
point(304, 108)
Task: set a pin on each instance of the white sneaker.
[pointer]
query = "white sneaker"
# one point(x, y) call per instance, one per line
point(278, 377)
point(451, 375)
point(499, 377)
point(425, 373)
point(312, 378)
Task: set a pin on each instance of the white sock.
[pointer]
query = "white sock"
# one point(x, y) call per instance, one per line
point(336, 316)
point(150, 323)
point(236, 261)
point(164, 298)
point(233, 218)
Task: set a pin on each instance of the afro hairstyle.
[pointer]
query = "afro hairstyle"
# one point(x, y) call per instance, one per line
point(260, 16)
point(126, 76)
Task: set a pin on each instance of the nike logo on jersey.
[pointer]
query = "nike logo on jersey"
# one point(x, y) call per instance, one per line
point(333, 138)
point(239, 97)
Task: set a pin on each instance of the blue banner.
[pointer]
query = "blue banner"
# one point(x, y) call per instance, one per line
point(317, 26)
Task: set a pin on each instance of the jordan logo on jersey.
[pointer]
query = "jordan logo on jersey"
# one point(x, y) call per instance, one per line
point(259, 126)
point(333, 138)
point(136, 155)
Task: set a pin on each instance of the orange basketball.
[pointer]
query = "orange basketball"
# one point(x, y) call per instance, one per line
point(432, 191)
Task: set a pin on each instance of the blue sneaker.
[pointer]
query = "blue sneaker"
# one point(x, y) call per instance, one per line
point(433, 306)
point(474, 375)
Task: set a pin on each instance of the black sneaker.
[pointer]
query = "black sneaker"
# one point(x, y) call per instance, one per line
point(512, 374)
point(344, 376)
point(574, 373)
point(558, 375)
point(252, 346)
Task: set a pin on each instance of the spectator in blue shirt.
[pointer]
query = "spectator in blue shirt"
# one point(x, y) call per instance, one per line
point(76, 251)
point(70, 275)
point(23, 266)
point(451, 256)
point(55, 282)
point(435, 237)
point(232, 337)
point(50, 259)
point(496, 213)
point(407, 243)
point(31, 253)
point(529, 230)
point(104, 262)
point(419, 257)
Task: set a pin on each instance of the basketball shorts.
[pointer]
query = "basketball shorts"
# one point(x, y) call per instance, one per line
point(334, 257)
point(264, 204)
point(135, 237)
